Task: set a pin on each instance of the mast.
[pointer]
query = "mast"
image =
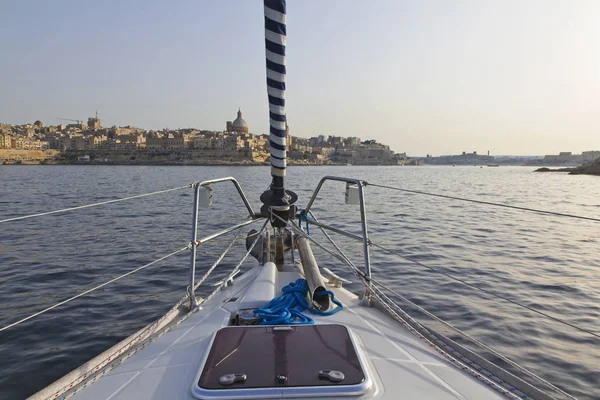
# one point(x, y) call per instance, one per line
point(276, 199)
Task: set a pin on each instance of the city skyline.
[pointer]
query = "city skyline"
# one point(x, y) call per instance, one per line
point(424, 78)
point(67, 125)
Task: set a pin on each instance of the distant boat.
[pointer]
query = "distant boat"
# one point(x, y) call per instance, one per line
point(493, 165)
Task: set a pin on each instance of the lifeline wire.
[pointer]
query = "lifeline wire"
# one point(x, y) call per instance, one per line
point(472, 339)
point(91, 205)
point(489, 203)
point(293, 226)
point(504, 388)
point(366, 280)
point(238, 266)
point(235, 269)
point(149, 339)
point(486, 291)
point(92, 289)
point(216, 263)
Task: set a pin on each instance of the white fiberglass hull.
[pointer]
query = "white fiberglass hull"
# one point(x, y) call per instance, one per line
point(399, 363)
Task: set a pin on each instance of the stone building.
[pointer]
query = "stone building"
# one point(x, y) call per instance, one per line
point(5, 141)
point(238, 125)
point(137, 139)
point(167, 141)
point(38, 126)
point(94, 123)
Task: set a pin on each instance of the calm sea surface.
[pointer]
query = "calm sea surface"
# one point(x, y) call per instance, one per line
point(549, 263)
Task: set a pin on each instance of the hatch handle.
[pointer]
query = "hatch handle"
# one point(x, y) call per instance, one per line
point(230, 379)
point(332, 375)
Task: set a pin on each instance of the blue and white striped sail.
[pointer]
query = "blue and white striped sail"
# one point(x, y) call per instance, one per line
point(275, 38)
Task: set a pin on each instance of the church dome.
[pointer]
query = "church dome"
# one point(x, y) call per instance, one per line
point(239, 125)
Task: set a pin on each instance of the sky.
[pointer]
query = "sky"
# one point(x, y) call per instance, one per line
point(426, 77)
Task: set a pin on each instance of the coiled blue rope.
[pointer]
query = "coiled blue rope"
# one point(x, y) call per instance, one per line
point(287, 309)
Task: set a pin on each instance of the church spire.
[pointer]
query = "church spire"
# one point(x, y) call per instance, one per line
point(239, 112)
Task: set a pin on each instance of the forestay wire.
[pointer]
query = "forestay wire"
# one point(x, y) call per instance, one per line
point(92, 205)
point(489, 203)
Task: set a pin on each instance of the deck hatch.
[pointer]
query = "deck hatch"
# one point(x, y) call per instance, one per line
point(279, 359)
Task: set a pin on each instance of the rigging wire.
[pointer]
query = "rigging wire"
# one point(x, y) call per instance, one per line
point(366, 280)
point(235, 269)
point(485, 290)
point(92, 289)
point(216, 263)
point(239, 265)
point(453, 278)
point(489, 203)
point(204, 277)
point(472, 339)
point(464, 363)
point(92, 205)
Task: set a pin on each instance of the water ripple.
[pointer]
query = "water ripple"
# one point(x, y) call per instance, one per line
point(548, 263)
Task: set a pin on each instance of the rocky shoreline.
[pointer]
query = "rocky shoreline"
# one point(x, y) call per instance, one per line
point(587, 169)
point(546, 169)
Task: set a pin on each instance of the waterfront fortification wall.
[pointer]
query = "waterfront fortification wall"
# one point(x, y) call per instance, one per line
point(13, 156)
point(162, 157)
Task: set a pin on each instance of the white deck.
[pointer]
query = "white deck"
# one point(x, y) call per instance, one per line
point(402, 366)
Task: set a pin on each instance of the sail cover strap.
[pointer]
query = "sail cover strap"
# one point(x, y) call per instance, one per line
point(275, 38)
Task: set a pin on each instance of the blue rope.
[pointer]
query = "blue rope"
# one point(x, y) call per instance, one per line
point(303, 215)
point(287, 309)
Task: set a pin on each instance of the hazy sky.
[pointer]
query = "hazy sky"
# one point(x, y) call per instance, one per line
point(440, 77)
